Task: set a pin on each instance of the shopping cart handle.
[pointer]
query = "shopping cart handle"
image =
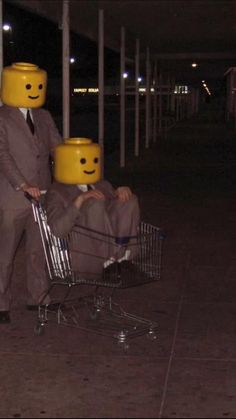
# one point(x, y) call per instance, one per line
point(31, 198)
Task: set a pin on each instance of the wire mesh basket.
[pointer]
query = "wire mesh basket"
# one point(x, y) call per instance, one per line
point(138, 261)
point(143, 264)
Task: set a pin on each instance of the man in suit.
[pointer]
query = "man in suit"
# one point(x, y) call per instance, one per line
point(79, 197)
point(25, 150)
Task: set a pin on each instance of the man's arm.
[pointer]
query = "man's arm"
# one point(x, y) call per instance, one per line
point(124, 193)
point(62, 215)
point(7, 163)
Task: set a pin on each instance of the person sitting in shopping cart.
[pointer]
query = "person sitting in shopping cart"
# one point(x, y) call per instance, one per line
point(107, 218)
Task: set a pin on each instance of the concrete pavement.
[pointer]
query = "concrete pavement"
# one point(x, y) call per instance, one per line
point(186, 185)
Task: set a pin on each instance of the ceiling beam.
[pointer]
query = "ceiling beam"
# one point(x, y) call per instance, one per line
point(195, 55)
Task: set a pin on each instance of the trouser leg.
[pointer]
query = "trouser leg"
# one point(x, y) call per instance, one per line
point(93, 248)
point(37, 279)
point(12, 224)
point(125, 218)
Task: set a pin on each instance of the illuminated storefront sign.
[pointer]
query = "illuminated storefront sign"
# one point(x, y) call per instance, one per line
point(86, 90)
point(181, 89)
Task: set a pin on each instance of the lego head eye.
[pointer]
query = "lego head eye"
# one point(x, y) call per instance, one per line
point(40, 86)
point(95, 160)
point(28, 86)
point(83, 161)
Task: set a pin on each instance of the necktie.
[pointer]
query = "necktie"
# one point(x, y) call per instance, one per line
point(29, 121)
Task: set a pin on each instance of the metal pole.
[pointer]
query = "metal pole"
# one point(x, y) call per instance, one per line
point(136, 148)
point(147, 137)
point(155, 105)
point(101, 83)
point(1, 40)
point(168, 92)
point(66, 69)
point(172, 101)
point(160, 103)
point(197, 101)
point(122, 98)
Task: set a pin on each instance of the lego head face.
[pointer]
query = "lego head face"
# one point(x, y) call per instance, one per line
point(77, 161)
point(23, 85)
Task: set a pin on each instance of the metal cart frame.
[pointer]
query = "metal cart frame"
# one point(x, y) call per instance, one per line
point(97, 312)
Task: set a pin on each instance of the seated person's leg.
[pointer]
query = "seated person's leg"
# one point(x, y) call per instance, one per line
point(93, 249)
point(125, 218)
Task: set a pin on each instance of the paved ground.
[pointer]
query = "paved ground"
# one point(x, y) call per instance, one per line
point(186, 185)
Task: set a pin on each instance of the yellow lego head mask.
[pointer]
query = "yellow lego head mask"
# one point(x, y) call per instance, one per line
point(77, 161)
point(23, 85)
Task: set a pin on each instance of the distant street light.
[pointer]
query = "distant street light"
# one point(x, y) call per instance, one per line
point(6, 27)
point(72, 60)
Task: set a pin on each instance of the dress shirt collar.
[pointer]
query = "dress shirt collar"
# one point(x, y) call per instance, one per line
point(24, 111)
point(84, 188)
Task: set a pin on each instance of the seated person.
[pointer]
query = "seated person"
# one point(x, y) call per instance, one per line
point(105, 217)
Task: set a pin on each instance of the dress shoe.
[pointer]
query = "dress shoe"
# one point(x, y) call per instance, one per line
point(52, 307)
point(111, 274)
point(4, 317)
point(111, 270)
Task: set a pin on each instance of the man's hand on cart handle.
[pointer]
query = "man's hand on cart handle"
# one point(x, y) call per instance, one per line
point(33, 191)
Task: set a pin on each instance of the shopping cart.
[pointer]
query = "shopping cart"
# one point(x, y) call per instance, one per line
point(98, 312)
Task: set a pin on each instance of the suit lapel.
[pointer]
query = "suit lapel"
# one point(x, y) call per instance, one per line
point(19, 120)
point(36, 119)
point(17, 115)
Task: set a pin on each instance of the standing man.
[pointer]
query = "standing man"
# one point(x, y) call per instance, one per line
point(28, 137)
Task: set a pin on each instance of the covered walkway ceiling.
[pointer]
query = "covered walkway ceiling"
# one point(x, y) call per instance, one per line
point(177, 32)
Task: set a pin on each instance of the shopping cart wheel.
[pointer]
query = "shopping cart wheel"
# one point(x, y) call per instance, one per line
point(94, 313)
point(124, 346)
point(152, 335)
point(122, 340)
point(39, 329)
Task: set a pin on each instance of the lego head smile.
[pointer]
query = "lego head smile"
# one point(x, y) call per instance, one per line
point(77, 161)
point(23, 85)
point(85, 161)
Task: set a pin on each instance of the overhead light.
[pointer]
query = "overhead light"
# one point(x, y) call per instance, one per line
point(206, 87)
point(6, 27)
point(72, 60)
point(194, 64)
point(125, 75)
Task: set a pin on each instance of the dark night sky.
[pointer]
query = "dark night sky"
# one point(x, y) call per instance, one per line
point(38, 40)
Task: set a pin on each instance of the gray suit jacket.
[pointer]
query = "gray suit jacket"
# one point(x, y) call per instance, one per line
point(88, 250)
point(24, 157)
point(61, 212)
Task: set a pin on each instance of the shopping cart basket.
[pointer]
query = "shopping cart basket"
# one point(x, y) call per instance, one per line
point(97, 312)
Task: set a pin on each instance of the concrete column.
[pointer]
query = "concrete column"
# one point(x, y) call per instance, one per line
point(66, 69)
point(155, 104)
point(147, 136)
point(122, 98)
point(137, 136)
point(1, 39)
point(160, 104)
point(101, 83)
